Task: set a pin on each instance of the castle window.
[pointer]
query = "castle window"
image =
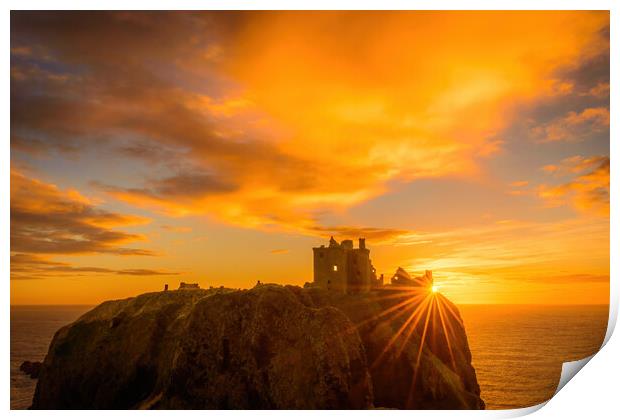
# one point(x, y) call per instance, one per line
point(335, 268)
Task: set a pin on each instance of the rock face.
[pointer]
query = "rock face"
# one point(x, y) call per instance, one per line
point(31, 369)
point(278, 347)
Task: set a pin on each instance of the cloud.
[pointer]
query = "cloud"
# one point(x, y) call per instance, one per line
point(588, 188)
point(505, 252)
point(176, 229)
point(577, 164)
point(519, 184)
point(21, 51)
point(36, 74)
point(144, 272)
point(30, 266)
point(182, 188)
point(222, 119)
point(47, 220)
point(374, 235)
point(572, 108)
point(590, 76)
point(36, 147)
point(601, 90)
point(491, 148)
point(279, 251)
point(574, 126)
point(186, 184)
point(519, 188)
point(221, 93)
point(573, 278)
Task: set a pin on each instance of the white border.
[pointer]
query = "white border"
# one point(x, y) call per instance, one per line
point(595, 392)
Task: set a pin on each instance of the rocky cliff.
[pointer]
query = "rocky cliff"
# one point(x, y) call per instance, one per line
point(268, 347)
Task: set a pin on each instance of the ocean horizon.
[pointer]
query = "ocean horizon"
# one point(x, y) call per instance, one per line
point(517, 349)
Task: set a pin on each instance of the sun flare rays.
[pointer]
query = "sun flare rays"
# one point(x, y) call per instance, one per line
point(421, 316)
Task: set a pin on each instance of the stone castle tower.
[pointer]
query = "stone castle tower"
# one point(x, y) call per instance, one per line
point(344, 268)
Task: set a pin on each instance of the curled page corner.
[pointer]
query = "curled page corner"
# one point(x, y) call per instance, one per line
point(611, 323)
point(570, 369)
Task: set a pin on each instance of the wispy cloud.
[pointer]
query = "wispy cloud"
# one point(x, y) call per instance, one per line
point(177, 229)
point(47, 220)
point(574, 126)
point(30, 266)
point(519, 184)
point(498, 258)
point(372, 234)
point(588, 188)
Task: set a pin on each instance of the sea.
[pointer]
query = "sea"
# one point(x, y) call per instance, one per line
point(517, 350)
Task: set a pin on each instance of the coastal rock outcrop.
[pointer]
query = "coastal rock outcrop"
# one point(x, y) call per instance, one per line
point(267, 347)
point(31, 369)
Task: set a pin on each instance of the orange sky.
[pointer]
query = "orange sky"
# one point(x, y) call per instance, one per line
point(152, 148)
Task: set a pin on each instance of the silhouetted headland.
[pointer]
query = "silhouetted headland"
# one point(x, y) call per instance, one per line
point(343, 342)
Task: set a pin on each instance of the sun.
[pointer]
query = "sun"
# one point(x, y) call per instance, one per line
point(434, 288)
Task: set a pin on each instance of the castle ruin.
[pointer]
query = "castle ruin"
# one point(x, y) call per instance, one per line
point(404, 279)
point(341, 267)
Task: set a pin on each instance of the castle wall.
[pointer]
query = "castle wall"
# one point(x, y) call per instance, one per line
point(325, 259)
point(359, 270)
point(343, 268)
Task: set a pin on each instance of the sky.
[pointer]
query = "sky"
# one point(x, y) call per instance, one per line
point(150, 148)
